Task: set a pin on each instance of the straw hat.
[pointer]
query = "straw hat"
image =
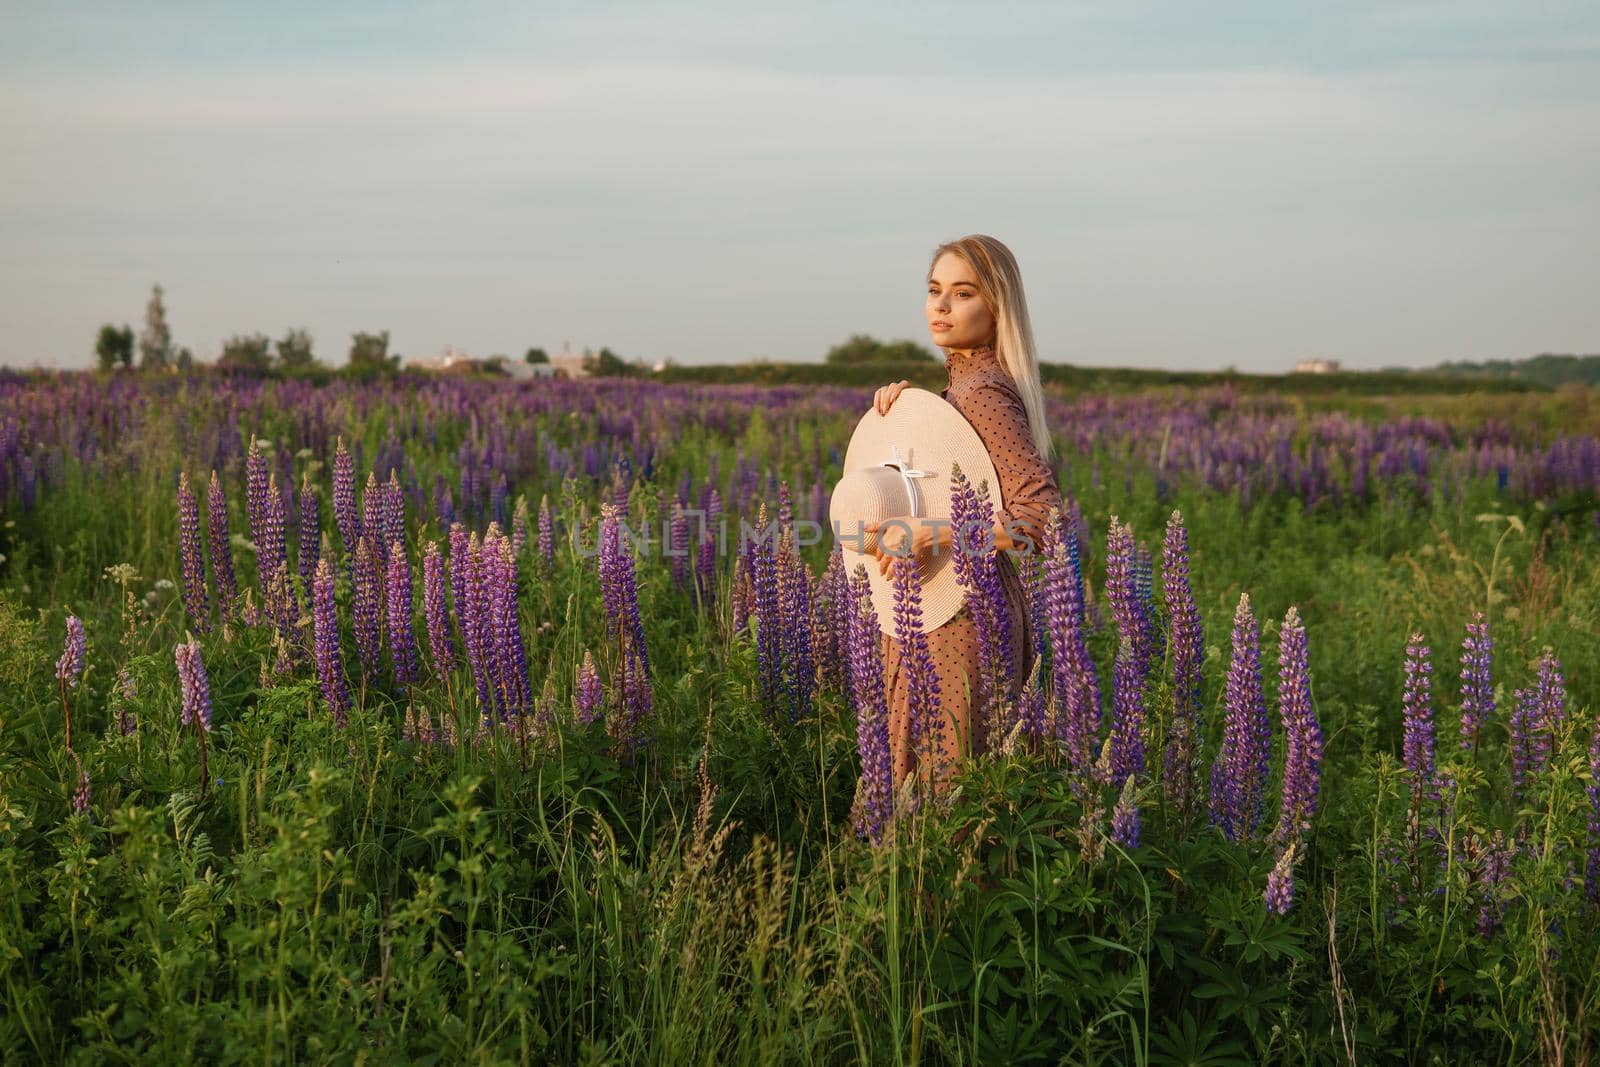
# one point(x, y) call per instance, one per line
point(899, 464)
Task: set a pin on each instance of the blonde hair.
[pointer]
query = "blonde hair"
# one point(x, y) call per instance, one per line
point(999, 283)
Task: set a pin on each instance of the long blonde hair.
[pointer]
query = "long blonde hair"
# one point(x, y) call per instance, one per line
point(999, 282)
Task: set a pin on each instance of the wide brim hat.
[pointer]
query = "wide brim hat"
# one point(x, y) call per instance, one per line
point(900, 464)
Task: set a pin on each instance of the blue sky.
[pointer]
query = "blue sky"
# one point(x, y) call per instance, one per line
point(1184, 185)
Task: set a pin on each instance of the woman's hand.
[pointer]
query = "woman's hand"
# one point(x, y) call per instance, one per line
point(885, 396)
point(907, 535)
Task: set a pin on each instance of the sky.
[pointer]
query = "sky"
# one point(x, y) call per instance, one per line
point(1190, 186)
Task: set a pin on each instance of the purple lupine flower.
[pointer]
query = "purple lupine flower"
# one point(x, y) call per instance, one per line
point(708, 555)
point(366, 606)
point(1550, 697)
point(310, 536)
point(374, 501)
point(1075, 681)
point(1185, 642)
point(196, 687)
point(1125, 815)
point(255, 493)
point(325, 626)
point(625, 628)
point(623, 610)
point(473, 612)
point(221, 544)
point(589, 695)
point(864, 648)
point(1302, 733)
point(1477, 688)
point(1591, 870)
point(977, 570)
point(763, 558)
point(678, 545)
point(1239, 775)
point(344, 498)
point(272, 558)
point(437, 611)
point(393, 507)
point(402, 640)
point(1417, 703)
point(1127, 715)
point(195, 599)
point(831, 623)
point(794, 613)
point(80, 796)
point(547, 535)
point(1280, 883)
point(1524, 726)
point(922, 677)
point(1123, 592)
point(1494, 865)
point(458, 569)
point(511, 665)
point(69, 668)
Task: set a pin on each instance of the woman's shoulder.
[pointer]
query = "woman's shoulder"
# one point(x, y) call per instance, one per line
point(987, 385)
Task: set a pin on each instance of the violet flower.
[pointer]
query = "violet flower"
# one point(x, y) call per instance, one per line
point(1185, 643)
point(1280, 883)
point(402, 640)
point(1074, 679)
point(366, 606)
point(221, 545)
point(1127, 715)
point(922, 678)
point(344, 498)
point(865, 651)
point(325, 625)
point(1417, 704)
point(69, 667)
point(310, 533)
point(437, 612)
point(1125, 814)
point(194, 684)
point(1301, 731)
point(195, 599)
point(1239, 775)
point(1477, 688)
point(589, 695)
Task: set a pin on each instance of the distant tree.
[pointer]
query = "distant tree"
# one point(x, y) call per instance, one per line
point(370, 351)
point(497, 362)
point(114, 346)
point(294, 349)
point(184, 360)
point(155, 344)
point(606, 364)
point(248, 352)
point(864, 348)
point(536, 355)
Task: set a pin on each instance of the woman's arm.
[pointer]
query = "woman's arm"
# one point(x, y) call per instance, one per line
point(1027, 481)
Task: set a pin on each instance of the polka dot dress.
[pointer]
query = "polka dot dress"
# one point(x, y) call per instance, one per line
point(982, 390)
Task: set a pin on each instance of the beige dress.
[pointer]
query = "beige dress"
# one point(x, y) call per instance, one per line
point(984, 393)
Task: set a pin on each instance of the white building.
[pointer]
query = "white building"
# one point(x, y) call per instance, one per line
point(1317, 366)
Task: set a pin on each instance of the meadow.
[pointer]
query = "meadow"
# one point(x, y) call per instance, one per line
point(351, 722)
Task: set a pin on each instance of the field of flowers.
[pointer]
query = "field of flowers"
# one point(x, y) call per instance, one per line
point(453, 720)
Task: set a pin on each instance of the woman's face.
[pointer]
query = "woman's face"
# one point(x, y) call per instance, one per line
point(957, 315)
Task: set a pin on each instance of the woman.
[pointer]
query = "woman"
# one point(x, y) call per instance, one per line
point(977, 314)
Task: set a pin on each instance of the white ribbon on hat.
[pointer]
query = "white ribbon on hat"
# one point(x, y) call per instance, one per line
point(898, 463)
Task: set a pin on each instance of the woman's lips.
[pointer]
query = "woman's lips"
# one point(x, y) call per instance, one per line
point(942, 326)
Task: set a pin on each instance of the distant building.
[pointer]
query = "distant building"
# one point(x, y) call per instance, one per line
point(1317, 366)
point(456, 361)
